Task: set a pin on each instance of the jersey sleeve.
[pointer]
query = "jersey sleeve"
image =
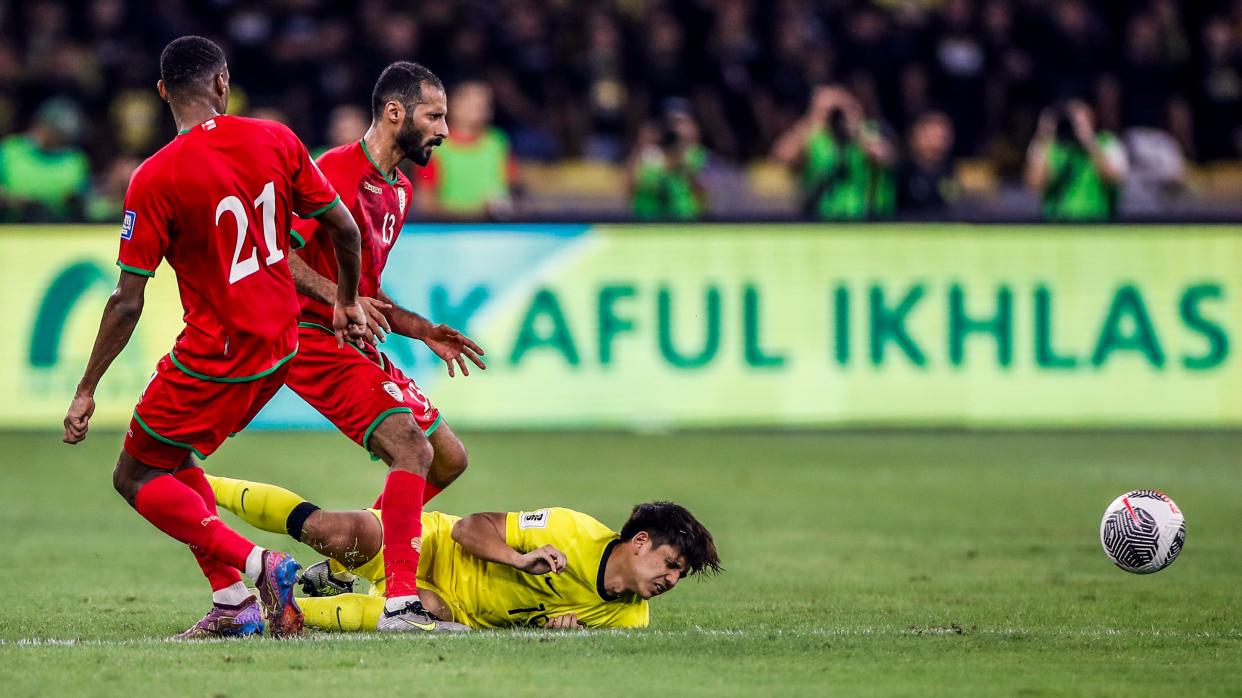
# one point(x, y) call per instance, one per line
point(145, 225)
point(527, 530)
point(313, 194)
point(329, 167)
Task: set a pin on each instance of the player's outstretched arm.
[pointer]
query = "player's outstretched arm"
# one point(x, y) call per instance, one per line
point(449, 344)
point(120, 316)
point(348, 318)
point(482, 535)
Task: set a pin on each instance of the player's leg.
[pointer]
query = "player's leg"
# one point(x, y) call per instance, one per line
point(350, 537)
point(180, 512)
point(448, 463)
point(399, 442)
point(234, 611)
point(360, 612)
point(178, 415)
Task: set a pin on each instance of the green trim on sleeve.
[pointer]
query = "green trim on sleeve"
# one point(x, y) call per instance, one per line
point(366, 438)
point(300, 240)
point(320, 211)
point(227, 379)
point(166, 440)
point(135, 270)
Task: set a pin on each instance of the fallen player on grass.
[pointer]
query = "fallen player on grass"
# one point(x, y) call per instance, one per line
point(550, 568)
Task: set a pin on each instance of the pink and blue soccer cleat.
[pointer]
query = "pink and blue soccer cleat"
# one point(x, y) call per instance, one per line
point(280, 573)
point(221, 621)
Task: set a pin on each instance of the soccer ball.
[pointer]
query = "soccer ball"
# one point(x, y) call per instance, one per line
point(1143, 531)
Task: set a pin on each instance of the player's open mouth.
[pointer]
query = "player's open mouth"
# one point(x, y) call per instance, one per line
point(659, 588)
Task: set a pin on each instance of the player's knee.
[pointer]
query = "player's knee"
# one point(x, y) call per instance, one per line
point(413, 454)
point(452, 462)
point(126, 480)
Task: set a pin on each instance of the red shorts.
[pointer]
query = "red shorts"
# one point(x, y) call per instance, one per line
point(354, 388)
point(178, 414)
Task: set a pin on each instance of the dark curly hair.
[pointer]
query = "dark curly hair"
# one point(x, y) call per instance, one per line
point(672, 524)
point(188, 62)
point(402, 81)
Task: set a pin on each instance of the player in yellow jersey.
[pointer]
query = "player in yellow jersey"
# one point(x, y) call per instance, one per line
point(550, 568)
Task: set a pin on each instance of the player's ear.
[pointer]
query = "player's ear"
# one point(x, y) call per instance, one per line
point(395, 111)
point(162, 89)
point(221, 82)
point(641, 541)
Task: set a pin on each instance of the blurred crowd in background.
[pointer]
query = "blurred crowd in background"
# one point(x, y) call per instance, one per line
point(675, 110)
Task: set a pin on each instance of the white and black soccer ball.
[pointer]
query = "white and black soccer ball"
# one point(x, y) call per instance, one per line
point(1143, 531)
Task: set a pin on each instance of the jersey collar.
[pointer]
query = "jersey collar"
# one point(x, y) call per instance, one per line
point(603, 565)
point(390, 180)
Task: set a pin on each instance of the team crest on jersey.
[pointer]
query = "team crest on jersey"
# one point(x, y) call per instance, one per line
point(401, 201)
point(393, 391)
point(372, 188)
point(127, 224)
point(533, 519)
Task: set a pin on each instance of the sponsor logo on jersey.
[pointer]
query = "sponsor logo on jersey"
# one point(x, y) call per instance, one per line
point(401, 200)
point(127, 224)
point(372, 188)
point(393, 391)
point(533, 519)
point(417, 543)
point(209, 124)
point(208, 520)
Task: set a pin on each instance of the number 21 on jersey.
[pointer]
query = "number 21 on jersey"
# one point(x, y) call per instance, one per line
point(265, 205)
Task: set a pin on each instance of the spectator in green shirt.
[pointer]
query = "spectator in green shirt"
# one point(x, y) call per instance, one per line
point(1077, 170)
point(43, 175)
point(473, 174)
point(844, 162)
point(665, 171)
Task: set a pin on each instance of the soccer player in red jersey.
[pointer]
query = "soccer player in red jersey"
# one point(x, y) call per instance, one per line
point(216, 202)
point(357, 387)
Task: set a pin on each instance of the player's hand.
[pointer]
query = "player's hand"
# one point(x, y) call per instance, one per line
point(349, 322)
point(565, 622)
point(77, 421)
point(454, 347)
point(542, 561)
point(377, 322)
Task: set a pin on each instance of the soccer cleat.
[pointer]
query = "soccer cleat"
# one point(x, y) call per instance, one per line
point(280, 573)
point(241, 620)
point(317, 580)
point(414, 618)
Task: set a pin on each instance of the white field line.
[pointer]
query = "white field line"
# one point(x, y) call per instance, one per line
point(572, 635)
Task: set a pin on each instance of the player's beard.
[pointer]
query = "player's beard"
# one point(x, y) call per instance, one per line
point(417, 148)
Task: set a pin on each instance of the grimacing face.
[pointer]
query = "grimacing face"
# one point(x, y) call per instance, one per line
point(656, 569)
point(426, 128)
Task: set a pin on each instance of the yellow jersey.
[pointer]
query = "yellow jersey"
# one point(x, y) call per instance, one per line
point(490, 595)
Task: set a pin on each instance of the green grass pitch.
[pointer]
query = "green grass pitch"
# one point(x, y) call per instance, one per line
point(885, 564)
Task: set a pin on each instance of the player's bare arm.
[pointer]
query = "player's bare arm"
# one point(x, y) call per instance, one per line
point(482, 535)
point(348, 318)
point(120, 316)
point(447, 343)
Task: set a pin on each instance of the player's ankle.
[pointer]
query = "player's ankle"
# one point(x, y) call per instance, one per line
point(397, 603)
point(254, 564)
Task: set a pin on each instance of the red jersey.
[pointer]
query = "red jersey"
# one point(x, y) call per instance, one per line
point(378, 204)
point(217, 203)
